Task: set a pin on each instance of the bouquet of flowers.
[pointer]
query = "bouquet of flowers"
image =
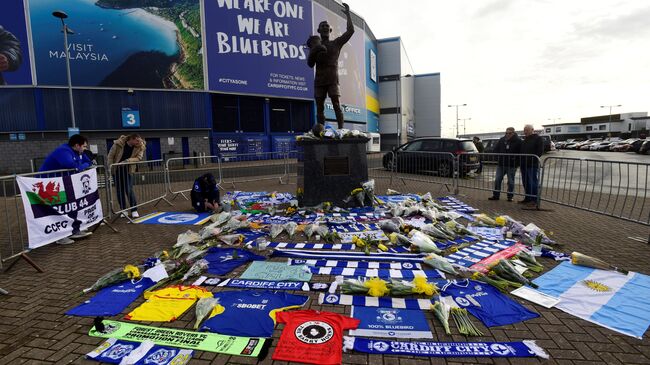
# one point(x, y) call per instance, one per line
point(441, 311)
point(310, 229)
point(419, 285)
point(326, 235)
point(220, 218)
point(388, 225)
point(232, 239)
point(359, 196)
point(290, 228)
point(207, 306)
point(497, 282)
point(440, 263)
point(505, 270)
point(276, 229)
point(196, 269)
point(116, 276)
point(434, 231)
point(422, 242)
point(374, 287)
point(528, 258)
point(486, 220)
point(583, 260)
point(392, 192)
point(369, 189)
point(187, 237)
point(464, 323)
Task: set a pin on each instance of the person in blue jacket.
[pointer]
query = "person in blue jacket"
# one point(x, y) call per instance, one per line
point(68, 156)
point(205, 194)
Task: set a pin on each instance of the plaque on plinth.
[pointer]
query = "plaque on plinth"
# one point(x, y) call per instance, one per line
point(329, 169)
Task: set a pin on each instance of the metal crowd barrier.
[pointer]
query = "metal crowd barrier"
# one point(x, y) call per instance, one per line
point(137, 184)
point(615, 188)
point(418, 170)
point(182, 171)
point(504, 166)
point(251, 167)
point(13, 230)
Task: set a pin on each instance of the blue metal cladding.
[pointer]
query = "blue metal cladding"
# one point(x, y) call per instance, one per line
point(17, 112)
point(101, 109)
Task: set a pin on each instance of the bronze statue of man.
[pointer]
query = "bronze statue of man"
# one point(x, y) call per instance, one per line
point(325, 55)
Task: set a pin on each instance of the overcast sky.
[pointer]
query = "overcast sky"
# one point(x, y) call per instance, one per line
point(523, 61)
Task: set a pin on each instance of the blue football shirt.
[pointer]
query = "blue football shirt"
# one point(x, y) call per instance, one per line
point(486, 303)
point(112, 300)
point(222, 260)
point(250, 313)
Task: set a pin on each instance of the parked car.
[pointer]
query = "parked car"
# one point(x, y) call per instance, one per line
point(433, 155)
point(636, 145)
point(489, 144)
point(562, 144)
point(548, 144)
point(645, 147)
point(622, 146)
point(600, 146)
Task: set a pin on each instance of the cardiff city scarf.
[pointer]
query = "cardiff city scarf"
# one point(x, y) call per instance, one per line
point(378, 235)
point(357, 264)
point(397, 198)
point(264, 284)
point(368, 301)
point(202, 341)
point(444, 349)
point(265, 218)
point(356, 227)
point(114, 351)
point(312, 246)
point(371, 273)
point(351, 256)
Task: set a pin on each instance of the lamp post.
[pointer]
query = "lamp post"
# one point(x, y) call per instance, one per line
point(465, 125)
point(457, 105)
point(62, 15)
point(610, 110)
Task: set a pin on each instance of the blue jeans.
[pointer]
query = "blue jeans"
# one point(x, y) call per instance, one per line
point(530, 179)
point(501, 172)
point(124, 188)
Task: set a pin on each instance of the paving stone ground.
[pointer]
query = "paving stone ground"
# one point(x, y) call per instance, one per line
point(34, 329)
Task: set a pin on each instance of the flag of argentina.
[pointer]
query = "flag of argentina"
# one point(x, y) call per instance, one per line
point(608, 298)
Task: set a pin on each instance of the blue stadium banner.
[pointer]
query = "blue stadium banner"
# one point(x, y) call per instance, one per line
point(256, 47)
point(15, 46)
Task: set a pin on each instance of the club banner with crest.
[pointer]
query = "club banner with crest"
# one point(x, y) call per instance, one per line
point(57, 206)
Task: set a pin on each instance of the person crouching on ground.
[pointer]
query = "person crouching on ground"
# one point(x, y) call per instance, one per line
point(205, 194)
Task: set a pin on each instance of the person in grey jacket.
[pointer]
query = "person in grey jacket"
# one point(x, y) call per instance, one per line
point(510, 145)
point(10, 53)
point(531, 145)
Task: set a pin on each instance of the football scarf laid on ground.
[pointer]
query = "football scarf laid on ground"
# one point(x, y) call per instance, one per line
point(181, 218)
point(114, 351)
point(203, 341)
point(312, 246)
point(444, 349)
point(350, 256)
point(357, 264)
point(368, 301)
point(379, 273)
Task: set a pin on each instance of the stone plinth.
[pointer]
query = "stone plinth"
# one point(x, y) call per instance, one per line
point(330, 169)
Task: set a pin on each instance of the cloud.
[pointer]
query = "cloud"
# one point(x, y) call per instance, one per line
point(626, 26)
point(497, 7)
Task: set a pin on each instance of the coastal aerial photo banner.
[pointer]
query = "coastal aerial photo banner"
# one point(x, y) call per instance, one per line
point(14, 45)
point(119, 43)
point(256, 47)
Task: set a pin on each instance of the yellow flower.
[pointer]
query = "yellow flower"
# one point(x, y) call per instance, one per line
point(477, 275)
point(422, 286)
point(356, 191)
point(382, 247)
point(240, 239)
point(132, 272)
point(165, 255)
point(358, 241)
point(501, 221)
point(453, 249)
point(393, 238)
point(376, 287)
point(255, 225)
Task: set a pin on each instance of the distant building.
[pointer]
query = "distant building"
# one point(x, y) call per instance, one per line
point(622, 125)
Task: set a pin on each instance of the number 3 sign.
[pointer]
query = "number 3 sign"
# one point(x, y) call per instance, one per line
point(130, 118)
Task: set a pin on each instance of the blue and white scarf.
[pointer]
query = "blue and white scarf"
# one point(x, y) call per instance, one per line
point(368, 301)
point(357, 264)
point(349, 256)
point(312, 246)
point(263, 284)
point(444, 349)
point(371, 273)
point(469, 256)
point(455, 204)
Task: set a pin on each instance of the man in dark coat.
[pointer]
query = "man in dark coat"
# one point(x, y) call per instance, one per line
point(10, 54)
point(480, 148)
point(510, 144)
point(532, 144)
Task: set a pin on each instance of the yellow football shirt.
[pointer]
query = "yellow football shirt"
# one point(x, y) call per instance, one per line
point(166, 305)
